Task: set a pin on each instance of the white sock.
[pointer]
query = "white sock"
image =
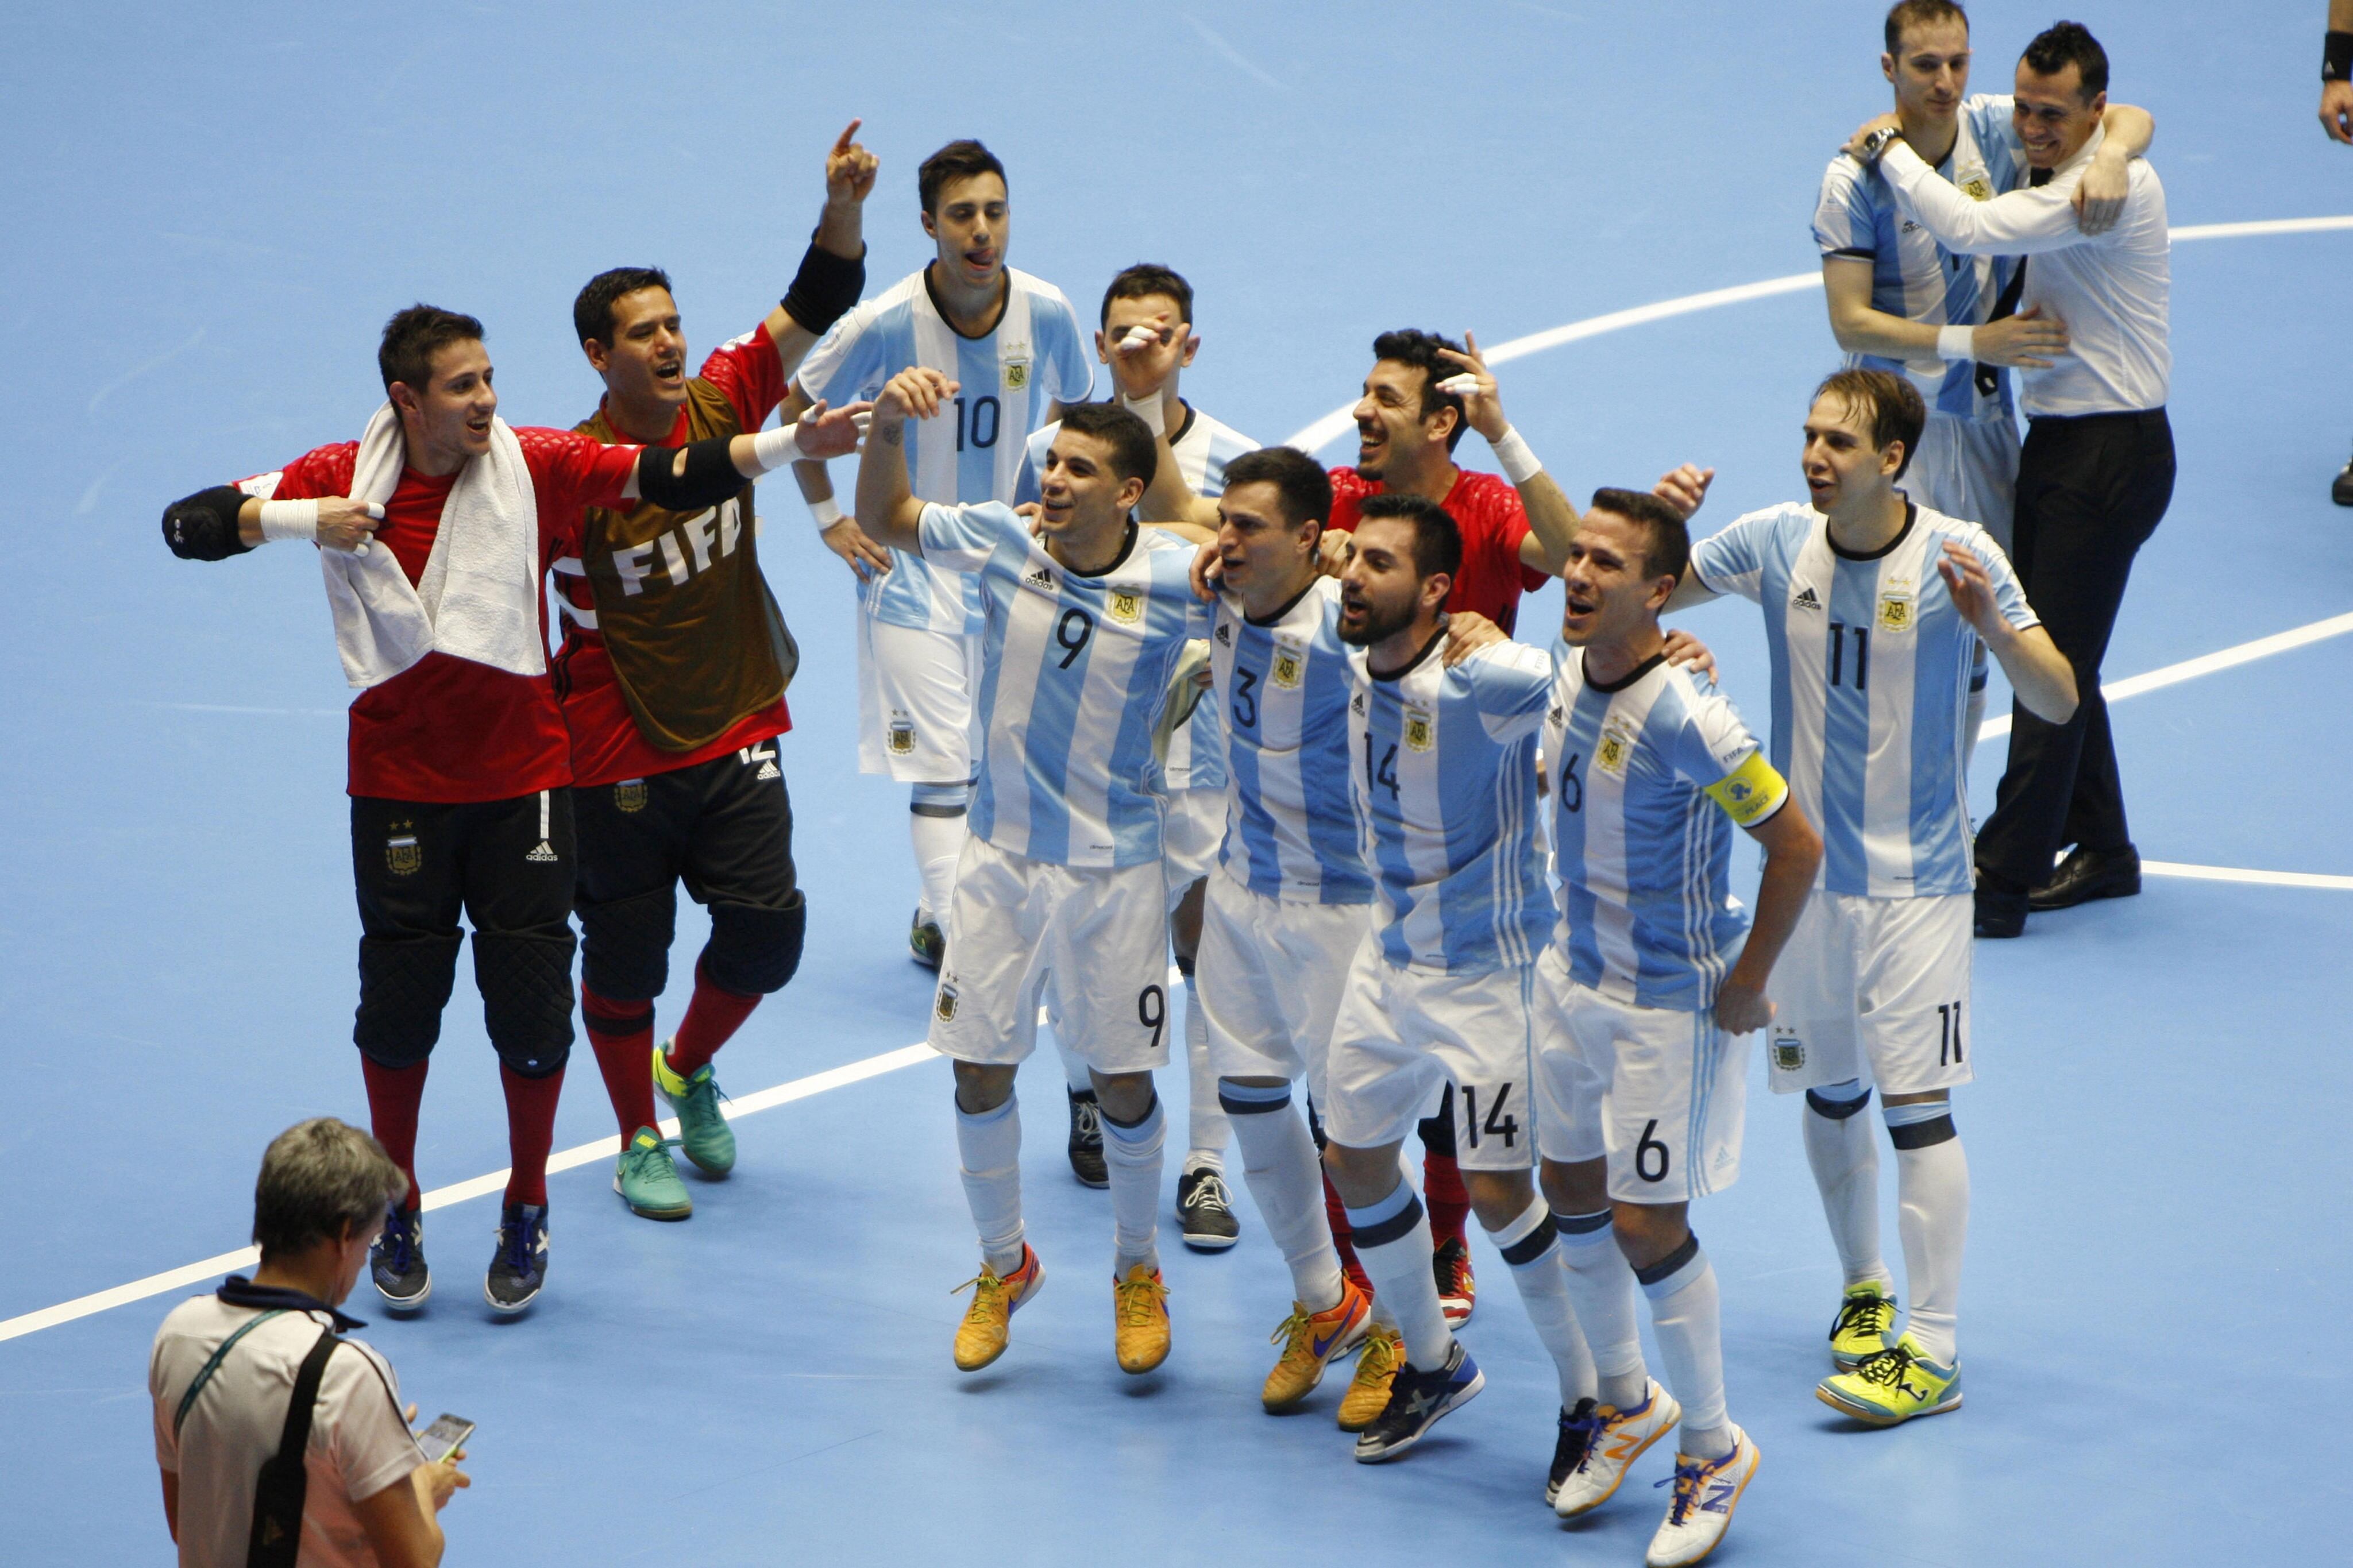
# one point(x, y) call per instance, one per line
point(1601, 1285)
point(1845, 1161)
point(1932, 1187)
point(1132, 1160)
point(1687, 1317)
point(1074, 1070)
point(1393, 1244)
point(1280, 1167)
point(1204, 1120)
point(990, 1146)
point(1529, 1246)
point(1973, 717)
point(938, 840)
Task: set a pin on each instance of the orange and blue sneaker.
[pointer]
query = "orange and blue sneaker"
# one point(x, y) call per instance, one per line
point(1382, 1353)
point(1612, 1440)
point(987, 1327)
point(1705, 1493)
point(1140, 1319)
point(1312, 1341)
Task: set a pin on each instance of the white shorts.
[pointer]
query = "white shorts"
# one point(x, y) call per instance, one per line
point(1270, 978)
point(1876, 989)
point(1100, 936)
point(915, 703)
point(1402, 1035)
point(1966, 469)
point(1660, 1094)
point(1195, 826)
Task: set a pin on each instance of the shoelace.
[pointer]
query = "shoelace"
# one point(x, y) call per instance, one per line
point(1138, 1301)
point(1089, 1123)
point(662, 1146)
point(1294, 1331)
point(1379, 1356)
point(1888, 1367)
point(1210, 1192)
point(980, 1285)
point(1872, 1314)
point(398, 1243)
point(1686, 1481)
point(514, 1245)
point(1587, 1430)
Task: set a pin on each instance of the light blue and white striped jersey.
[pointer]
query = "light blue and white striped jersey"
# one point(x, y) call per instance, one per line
point(1283, 689)
point(1649, 776)
point(1871, 678)
point(1443, 773)
point(1913, 276)
point(1074, 673)
point(1203, 447)
point(973, 450)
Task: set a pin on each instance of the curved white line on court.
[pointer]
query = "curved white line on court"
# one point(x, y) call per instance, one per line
point(1337, 423)
point(1330, 425)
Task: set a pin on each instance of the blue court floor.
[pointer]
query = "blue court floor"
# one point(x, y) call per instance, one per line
point(209, 213)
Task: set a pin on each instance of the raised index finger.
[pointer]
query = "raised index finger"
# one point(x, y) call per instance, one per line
point(841, 142)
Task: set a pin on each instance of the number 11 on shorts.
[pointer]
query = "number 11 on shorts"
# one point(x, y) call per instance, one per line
point(1950, 1037)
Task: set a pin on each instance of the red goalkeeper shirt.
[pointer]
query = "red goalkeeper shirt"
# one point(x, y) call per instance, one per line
point(1488, 512)
point(447, 730)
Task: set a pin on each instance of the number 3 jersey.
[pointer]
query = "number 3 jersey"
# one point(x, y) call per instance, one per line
point(973, 449)
point(1074, 673)
point(1871, 682)
point(1650, 773)
point(1442, 770)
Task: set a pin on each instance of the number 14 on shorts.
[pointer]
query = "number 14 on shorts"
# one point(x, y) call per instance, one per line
point(1497, 1123)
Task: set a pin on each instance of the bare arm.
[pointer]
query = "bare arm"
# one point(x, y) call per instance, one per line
point(840, 232)
point(400, 1520)
point(2038, 672)
point(1169, 495)
point(2337, 94)
point(1793, 853)
point(886, 503)
point(2023, 338)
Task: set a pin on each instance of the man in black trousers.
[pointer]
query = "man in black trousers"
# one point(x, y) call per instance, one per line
point(2097, 468)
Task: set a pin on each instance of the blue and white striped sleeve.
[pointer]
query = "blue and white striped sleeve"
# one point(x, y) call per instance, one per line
point(1062, 349)
point(963, 538)
point(1511, 685)
point(1732, 559)
point(2009, 593)
point(1715, 751)
point(845, 359)
point(1844, 223)
point(1033, 464)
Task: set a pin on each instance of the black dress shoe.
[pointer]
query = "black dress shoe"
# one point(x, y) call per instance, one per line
point(2088, 874)
point(2000, 911)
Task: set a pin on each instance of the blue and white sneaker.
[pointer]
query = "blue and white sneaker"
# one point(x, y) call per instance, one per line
point(1701, 1510)
point(1417, 1400)
point(519, 1267)
point(397, 1261)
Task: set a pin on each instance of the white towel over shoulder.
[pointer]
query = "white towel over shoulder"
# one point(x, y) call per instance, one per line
point(478, 597)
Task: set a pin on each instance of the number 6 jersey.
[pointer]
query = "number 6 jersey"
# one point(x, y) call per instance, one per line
point(1871, 682)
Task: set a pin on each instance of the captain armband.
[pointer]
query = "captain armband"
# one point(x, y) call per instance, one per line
point(1751, 792)
point(203, 527)
point(824, 289)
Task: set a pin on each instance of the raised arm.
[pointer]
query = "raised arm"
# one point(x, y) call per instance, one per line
point(2038, 672)
point(1793, 853)
point(833, 273)
point(1552, 520)
point(2337, 73)
point(887, 507)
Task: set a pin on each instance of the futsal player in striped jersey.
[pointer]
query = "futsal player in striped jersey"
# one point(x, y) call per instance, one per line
point(1652, 975)
point(1871, 604)
point(1062, 877)
point(1146, 336)
point(1901, 302)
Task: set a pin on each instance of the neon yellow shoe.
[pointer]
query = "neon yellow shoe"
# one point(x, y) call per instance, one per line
point(1312, 1341)
point(1893, 1386)
point(987, 1325)
point(1140, 1319)
point(1377, 1365)
point(1866, 1315)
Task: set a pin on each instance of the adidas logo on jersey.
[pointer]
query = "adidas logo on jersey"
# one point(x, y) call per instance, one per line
point(543, 854)
point(767, 771)
point(1039, 578)
point(1226, 632)
point(1805, 600)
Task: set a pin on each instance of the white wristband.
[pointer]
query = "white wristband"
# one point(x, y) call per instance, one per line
point(824, 512)
point(1956, 343)
point(1519, 463)
point(289, 519)
point(1149, 410)
point(774, 449)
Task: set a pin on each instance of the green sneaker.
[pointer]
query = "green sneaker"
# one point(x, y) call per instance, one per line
point(1860, 1331)
point(1893, 1386)
point(648, 1181)
point(702, 1132)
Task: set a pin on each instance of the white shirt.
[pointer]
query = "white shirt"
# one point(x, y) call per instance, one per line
point(2111, 290)
point(360, 1443)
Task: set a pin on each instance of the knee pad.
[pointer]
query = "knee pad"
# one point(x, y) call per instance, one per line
point(404, 985)
point(1838, 1107)
point(526, 986)
point(625, 945)
point(939, 800)
point(755, 950)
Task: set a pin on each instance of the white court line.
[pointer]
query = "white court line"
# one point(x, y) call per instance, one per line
point(1309, 439)
point(2240, 874)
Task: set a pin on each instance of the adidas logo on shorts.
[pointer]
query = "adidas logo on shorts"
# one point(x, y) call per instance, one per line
point(767, 771)
point(544, 854)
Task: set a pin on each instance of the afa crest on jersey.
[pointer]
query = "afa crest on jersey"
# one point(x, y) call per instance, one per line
point(1287, 667)
point(903, 737)
point(1895, 607)
point(1126, 608)
point(1420, 728)
point(629, 795)
point(946, 1005)
point(402, 855)
point(1789, 1051)
point(1617, 745)
point(1017, 374)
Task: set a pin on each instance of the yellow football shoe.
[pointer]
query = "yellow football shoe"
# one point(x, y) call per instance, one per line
point(1865, 1316)
point(1377, 1366)
point(1140, 1319)
point(1893, 1386)
point(988, 1324)
point(1312, 1341)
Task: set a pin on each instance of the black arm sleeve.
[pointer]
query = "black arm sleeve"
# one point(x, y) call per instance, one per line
point(709, 480)
point(824, 289)
point(203, 527)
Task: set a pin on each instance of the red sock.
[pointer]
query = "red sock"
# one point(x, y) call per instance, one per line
point(1442, 1192)
point(622, 1036)
point(712, 1019)
point(394, 1094)
point(1344, 1237)
point(531, 1131)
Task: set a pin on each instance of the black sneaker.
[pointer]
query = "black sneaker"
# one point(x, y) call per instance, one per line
point(926, 943)
point(1086, 1140)
point(397, 1261)
point(1205, 1211)
point(2341, 491)
point(519, 1267)
point(1417, 1400)
point(1579, 1428)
